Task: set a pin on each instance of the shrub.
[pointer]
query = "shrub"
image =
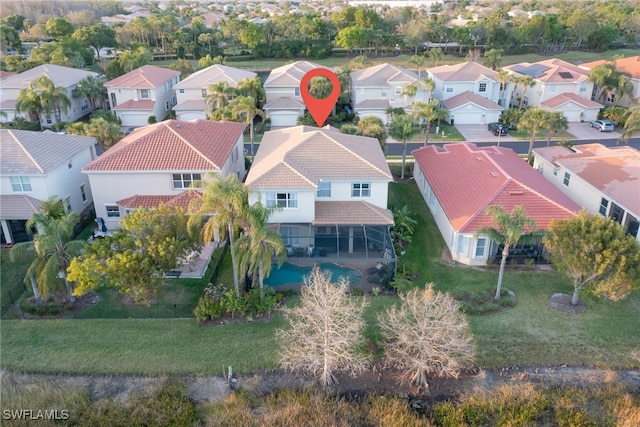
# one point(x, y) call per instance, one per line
point(357, 292)
point(152, 120)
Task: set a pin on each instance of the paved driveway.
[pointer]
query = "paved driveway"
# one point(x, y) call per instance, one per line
point(578, 130)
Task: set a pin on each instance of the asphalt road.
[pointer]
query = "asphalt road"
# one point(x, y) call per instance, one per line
point(520, 147)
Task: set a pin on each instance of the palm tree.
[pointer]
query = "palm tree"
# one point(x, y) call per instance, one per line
point(244, 108)
point(54, 250)
point(600, 76)
point(253, 88)
point(106, 132)
point(436, 55)
point(401, 128)
point(418, 61)
point(29, 102)
point(532, 121)
point(320, 87)
point(632, 124)
point(503, 77)
point(430, 112)
point(526, 82)
point(225, 202)
point(53, 98)
point(493, 58)
point(409, 90)
point(624, 87)
point(507, 231)
point(554, 122)
point(260, 245)
point(91, 88)
point(616, 114)
point(218, 95)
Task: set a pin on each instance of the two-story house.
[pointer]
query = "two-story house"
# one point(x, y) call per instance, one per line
point(282, 88)
point(62, 77)
point(191, 92)
point(35, 166)
point(630, 67)
point(459, 181)
point(163, 163)
point(557, 86)
point(470, 92)
point(604, 180)
point(329, 190)
point(375, 89)
point(142, 93)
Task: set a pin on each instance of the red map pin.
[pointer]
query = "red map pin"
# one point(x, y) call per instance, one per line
point(320, 108)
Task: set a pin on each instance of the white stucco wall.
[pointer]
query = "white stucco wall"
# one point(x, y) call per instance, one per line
point(304, 213)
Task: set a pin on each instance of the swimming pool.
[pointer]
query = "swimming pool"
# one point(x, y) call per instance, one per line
point(291, 273)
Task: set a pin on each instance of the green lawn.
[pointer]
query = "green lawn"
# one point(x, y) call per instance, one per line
point(12, 275)
point(530, 334)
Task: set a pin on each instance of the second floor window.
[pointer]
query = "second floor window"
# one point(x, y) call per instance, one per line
point(383, 93)
point(448, 88)
point(144, 93)
point(113, 211)
point(282, 200)
point(324, 189)
point(361, 189)
point(567, 178)
point(482, 87)
point(20, 184)
point(187, 180)
point(296, 91)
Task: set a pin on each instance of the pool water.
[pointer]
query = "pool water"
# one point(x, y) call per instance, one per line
point(291, 273)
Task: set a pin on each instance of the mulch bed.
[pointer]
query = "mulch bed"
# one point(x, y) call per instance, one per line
point(562, 302)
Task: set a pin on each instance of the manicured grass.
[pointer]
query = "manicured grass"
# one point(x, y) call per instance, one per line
point(558, 136)
point(447, 133)
point(12, 275)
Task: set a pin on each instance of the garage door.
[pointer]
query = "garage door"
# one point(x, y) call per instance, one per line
point(381, 115)
point(283, 118)
point(466, 118)
point(190, 115)
point(134, 119)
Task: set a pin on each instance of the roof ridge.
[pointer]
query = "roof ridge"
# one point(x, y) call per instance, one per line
point(40, 168)
point(335, 141)
point(190, 145)
point(294, 170)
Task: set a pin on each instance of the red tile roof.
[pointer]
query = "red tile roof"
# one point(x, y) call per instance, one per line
point(629, 66)
point(182, 200)
point(147, 76)
point(141, 104)
point(565, 98)
point(199, 145)
point(351, 212)
point(466, 179)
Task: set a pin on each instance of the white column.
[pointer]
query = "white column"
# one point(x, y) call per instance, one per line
point(7, 232)
point(350, 240)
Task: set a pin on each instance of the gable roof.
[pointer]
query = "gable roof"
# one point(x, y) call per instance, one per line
point(182, 200)
point(27, 152)
point(383, 75)
point(18, 206)
point(468, 97)
point(215, 74)
point(629, 66)
point(172, 145)
point(147, 76)
point(464, 72)
point(466, 179)
point(299, 157)
point(551, 71)
point(60, 76)
point(565, 98)
point(290, 74)
point(614, 171)
point(344, 212)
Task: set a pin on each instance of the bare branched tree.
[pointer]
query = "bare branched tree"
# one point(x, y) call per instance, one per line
point(427, 334)
point(326, 330)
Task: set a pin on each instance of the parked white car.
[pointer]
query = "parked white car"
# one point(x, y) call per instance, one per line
point(602, 125)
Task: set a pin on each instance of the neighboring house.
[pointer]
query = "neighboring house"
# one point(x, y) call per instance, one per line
point(558, 86)
point(282, 88)
point(375, 89)
point(628, 66)
point(144, 92)
point(35, 166)
point(604, 180)
point(459, 181)
point(470, 92)
point(192, 91)
point(63, 77)
point(329, 189)
point(161, 163)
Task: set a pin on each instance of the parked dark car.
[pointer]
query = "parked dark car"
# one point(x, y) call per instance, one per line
point(498, 128)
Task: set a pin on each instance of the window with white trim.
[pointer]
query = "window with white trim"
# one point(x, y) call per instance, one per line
point(282, 200)
point(463, 244)
point(84, 105)
point(583, 87)
point(83, 194)
point(482, 87)
point(432, 198)
point(604, 204)
point(324, 189)
point(20, 184)
point(481, 246)
point(166, 105)
point(567, 178)
point(383, 92)
point(296, 91)
point(553, 88)
point(448, 88)
point(289, 235)
point(181, 90)
point(66, 204)
point(525, 102)
point(187, 180)
point(361, 189)
point(144, 93)
point(398, 90)
point(555, 170)
point(204, 93)
point(113, 211)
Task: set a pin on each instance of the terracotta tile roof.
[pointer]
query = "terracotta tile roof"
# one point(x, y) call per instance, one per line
point(615, 171)
point(290, 74)
point(199, 145)
point(377, 104)
point(215, 74)
point(351, 212)
point(551, 70)
point(4, 74)
point(468, 97)
point(147, 76)
point(141, 104)
point(465, 72)
point(629, 66)
point(298, 157)
point(191, 105)
point(8, 104)
point(383, 75)
point(284, 103)
point(182, 200)
point(61, 76)
point(565, 98)
point(26, 152)
point(466, 179)
point(14, 206)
